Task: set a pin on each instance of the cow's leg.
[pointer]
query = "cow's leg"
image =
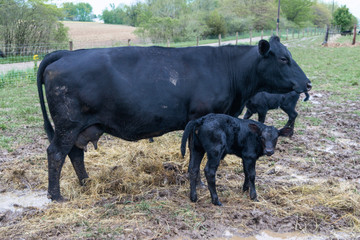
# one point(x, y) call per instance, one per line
point(59, 148)
point(77, 159)
point(197, 155)
point(262, 116)
point(249, 169)
point(248, 114)
point(211, 167)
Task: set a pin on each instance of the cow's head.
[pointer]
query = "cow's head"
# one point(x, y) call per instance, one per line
point(278, 71)
point(269, 136)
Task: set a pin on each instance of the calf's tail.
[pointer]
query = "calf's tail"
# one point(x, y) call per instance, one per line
point(188, 130)
point(50, 58)
point(307, 96)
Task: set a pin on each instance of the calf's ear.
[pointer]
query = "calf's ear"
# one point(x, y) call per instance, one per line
point(264, 47)
point(254, 128)
point(286, 132)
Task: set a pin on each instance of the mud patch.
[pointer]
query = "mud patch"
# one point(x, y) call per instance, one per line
point(18, 201)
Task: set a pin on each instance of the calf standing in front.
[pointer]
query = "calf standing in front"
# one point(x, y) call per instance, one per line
point(262, 102)
point(219, 135)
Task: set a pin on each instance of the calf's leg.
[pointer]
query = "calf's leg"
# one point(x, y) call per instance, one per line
point(249, 170)
point(197, 155)
point(262, 116)
point(211, 167)
point(248, 114)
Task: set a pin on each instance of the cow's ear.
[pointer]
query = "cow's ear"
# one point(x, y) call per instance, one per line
point(264, 47)
point(254, 128)
point(286, 132)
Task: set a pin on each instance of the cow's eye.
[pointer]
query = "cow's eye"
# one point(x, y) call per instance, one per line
point(284, 60)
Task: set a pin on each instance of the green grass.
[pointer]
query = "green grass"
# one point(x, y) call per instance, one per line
point(332, 69)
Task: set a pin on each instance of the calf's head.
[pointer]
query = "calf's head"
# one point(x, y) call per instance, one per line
point(278, 71)
point(269, 136)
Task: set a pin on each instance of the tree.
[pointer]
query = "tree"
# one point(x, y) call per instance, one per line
point(77, 12)
point(321, 14)
point(297, 11)
point(343, 18)
point(216, 24)
point(29, 23)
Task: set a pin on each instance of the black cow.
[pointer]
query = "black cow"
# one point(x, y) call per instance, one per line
point(2, 54)
point(218, 135)
point(262, 102)
point(143, 92)
point(347, 32)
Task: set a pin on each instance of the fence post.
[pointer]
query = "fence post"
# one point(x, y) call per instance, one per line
point(220, 39)
point(237, 38)
point(71, 45)
point(197, 41)
point(354, 38)
point(293, 33)
point(168, 42)
point(287, 34)
point(262, 34)
point(250, 37)
point(129, 42)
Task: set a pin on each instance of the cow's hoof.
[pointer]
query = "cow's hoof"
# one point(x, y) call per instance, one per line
point(58, 199)
point(193, 198)
point(255, 199)
point(85, 182)
point(217, 203)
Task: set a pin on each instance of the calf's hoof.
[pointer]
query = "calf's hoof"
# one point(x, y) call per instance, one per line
point(255, 199)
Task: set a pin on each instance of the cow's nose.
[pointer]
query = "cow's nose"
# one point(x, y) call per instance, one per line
point(308, 86)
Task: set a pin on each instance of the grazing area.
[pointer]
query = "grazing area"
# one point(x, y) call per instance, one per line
point(140, 190)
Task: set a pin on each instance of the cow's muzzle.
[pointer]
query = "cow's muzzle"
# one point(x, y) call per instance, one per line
point(308, 86)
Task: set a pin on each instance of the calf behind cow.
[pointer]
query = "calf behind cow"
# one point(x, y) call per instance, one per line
point(262, 102)
point(219, 135)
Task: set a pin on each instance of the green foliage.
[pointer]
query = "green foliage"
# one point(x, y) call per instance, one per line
point(216, 24)
point(297, 11)
point(114, 15)
point(77, 12)
point(321, 15)
point(343, 18)
point(29, 23)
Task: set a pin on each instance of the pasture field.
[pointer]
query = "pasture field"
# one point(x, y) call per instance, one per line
point(139, 190)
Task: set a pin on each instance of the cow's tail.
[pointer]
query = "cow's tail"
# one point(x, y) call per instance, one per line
point(307, 96)
point(50, 58)
point(188, 130)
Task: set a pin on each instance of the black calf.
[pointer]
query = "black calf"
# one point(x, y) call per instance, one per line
point(262, 102)
point(219, 135)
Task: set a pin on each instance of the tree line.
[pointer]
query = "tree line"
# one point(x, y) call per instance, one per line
point(32, 22)
point(182, 20)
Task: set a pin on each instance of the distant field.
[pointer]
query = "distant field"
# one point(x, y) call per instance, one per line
point(92, 34)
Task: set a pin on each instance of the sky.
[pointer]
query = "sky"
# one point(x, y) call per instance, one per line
point(100, 5)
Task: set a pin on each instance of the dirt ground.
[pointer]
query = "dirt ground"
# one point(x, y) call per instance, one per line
point(93, 34)
point(311, 185)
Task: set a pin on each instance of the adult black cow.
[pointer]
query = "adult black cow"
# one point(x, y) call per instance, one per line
point(143, 92)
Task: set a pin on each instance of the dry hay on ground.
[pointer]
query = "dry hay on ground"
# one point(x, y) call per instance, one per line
point(140, 189)
point(93, 34)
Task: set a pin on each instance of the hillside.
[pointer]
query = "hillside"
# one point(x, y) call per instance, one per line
point(93, 34)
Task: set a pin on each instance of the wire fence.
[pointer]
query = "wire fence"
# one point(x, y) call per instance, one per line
point(18, 64)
